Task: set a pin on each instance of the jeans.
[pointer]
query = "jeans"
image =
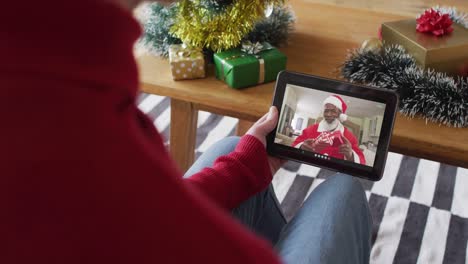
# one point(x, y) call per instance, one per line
point(333, 225)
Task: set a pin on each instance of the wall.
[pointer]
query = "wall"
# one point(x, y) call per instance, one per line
point(290, 100)
point(356, 120)
point(366, 130)
point(399, 7)
point(304, 116)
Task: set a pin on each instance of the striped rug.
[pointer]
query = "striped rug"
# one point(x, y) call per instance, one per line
point(419, 208)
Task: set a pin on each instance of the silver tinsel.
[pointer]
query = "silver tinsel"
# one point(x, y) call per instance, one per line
point(432, 95)
point(457, 17)
point(157, 22)
point(276, 28)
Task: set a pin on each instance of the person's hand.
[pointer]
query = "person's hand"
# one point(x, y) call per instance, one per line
point(320, 145)
point(260, 130)
point(314, 145)
point(308, 145)
point(264, 125)
point(346, 149)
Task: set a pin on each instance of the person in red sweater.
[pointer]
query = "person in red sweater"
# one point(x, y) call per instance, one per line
point(330, 137)
point(85, 177)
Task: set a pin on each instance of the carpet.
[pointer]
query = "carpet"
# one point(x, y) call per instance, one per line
point(419, 208)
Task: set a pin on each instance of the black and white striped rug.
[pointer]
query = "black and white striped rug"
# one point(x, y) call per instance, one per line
point(419, 208)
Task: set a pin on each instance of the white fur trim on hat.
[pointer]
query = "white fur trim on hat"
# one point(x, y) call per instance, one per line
point(343, 117)
point(334, 101)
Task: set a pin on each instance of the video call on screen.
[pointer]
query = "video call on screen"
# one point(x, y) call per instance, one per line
point(330, 125)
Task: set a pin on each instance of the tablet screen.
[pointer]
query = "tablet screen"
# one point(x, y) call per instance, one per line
point(329, 125)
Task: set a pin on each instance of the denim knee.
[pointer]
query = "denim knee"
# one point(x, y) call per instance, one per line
point(350, 188)
point(347, 183)
point(228, 144)
point(220, 148)
point(338, 213)
point(351, 192)
point(341, 190)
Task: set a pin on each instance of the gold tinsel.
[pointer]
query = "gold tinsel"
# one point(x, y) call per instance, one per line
point(198, 27)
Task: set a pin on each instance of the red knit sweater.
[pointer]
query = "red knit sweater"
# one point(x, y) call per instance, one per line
point(84, 176)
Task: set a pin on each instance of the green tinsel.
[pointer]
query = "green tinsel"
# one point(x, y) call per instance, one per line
point(274, 29)
point(433, 95)
point(157, 37)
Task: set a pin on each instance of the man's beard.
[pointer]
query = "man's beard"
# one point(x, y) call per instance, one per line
point(330, 126)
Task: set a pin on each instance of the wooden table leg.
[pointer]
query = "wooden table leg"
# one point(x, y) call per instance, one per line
point(243, 126)
point(183, 133)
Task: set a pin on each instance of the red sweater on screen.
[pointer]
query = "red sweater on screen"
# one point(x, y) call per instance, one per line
point(84, 175)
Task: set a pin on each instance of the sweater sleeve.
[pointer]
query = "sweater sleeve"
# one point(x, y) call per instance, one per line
point(235, 177)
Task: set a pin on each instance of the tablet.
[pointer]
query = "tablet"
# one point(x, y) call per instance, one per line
point(332, 124)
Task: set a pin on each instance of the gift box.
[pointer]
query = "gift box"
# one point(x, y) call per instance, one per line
point(332, 138)
point(186, 63)
point(447, 53)
point(251, 64)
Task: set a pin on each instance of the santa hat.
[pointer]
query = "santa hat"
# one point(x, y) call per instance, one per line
point(339, 103)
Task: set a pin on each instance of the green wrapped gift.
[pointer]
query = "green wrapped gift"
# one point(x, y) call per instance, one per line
point(252, 64)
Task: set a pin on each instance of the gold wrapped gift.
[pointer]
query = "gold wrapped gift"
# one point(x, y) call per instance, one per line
point(448, 53)
point(186, 63)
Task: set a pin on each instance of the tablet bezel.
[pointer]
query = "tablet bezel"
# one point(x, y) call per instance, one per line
point(388, 97)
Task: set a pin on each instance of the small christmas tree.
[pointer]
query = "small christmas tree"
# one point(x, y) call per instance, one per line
point(217, 25)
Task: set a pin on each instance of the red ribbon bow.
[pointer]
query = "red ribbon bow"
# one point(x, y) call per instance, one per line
point(434, 22)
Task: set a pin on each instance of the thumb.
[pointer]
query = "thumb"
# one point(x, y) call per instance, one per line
point(271, 120)
point(346, 140)
point(264, 125)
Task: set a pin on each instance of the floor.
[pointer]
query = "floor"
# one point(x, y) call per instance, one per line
point(419, 208)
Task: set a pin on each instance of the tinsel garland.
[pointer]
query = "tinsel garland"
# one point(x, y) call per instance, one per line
point(457, 17)
point(274, 29)
point(198, 27)
point(157, 37)
point(433, 95)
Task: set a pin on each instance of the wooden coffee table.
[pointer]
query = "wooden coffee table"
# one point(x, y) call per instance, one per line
point(319, 45)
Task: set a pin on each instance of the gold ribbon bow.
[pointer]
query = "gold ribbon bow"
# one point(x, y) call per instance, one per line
point(252, 48)
point(183, 51)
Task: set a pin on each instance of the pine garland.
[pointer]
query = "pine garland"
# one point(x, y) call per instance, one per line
point(433, 95)
point(157, 37)
point(274, 29)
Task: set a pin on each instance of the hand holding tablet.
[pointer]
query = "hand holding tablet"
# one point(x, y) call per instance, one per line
point(323, 122)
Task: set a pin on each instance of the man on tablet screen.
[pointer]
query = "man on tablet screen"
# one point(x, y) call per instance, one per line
point(330, 137)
